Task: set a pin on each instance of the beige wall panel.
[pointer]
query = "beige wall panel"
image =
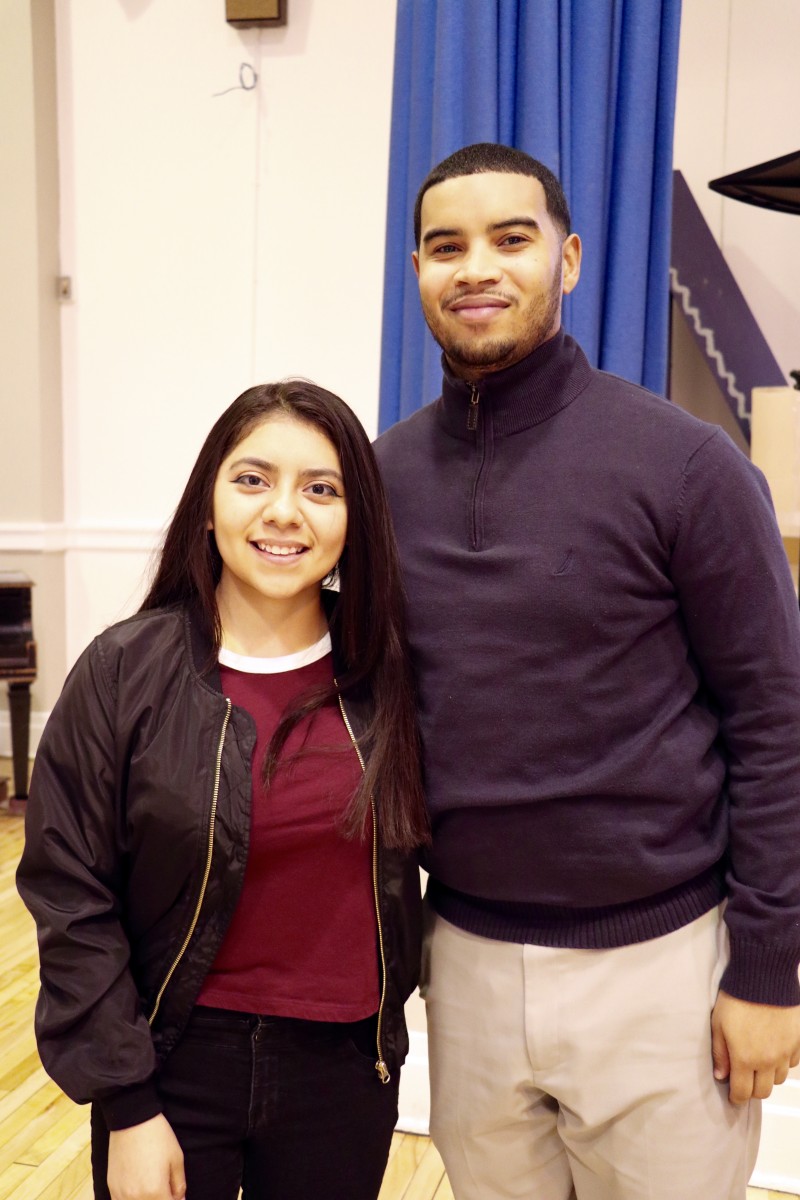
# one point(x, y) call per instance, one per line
point(19, 446)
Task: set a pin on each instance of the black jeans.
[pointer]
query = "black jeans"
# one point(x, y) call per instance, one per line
point(286, 1109)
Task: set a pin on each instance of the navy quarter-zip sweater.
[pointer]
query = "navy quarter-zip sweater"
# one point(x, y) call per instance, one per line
point(607, 645)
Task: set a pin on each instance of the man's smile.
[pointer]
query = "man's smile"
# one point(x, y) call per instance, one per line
point(477, 308)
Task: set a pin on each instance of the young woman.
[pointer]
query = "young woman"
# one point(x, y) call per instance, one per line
point(220, 831)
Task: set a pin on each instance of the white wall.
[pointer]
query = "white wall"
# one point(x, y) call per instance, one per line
point(214, 241)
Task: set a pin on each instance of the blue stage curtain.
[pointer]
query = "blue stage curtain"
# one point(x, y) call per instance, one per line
point(588, 88)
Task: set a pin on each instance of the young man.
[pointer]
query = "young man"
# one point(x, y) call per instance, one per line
point(607, 644)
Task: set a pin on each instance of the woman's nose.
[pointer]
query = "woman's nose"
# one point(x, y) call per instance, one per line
point(281, 507)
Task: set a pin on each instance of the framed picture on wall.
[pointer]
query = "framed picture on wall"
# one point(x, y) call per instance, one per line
point(255, 12)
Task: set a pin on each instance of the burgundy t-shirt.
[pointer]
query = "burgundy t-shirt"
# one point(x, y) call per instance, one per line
point(303, 939)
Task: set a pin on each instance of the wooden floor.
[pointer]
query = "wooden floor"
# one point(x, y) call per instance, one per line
point(44, 1138)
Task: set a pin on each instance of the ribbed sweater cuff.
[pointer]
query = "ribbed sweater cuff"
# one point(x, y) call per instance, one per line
point(131, 1106)
point(762, 974)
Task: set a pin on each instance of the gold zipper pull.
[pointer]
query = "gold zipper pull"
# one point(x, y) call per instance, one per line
point(472, 415)
point(383, 1070)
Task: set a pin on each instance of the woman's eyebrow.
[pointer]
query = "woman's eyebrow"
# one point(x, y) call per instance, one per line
point(263, 464)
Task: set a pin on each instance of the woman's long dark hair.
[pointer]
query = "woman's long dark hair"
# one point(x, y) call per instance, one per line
point(368, 618)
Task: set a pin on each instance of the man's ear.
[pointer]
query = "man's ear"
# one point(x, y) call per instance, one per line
point(571, 262)
point(415, 261)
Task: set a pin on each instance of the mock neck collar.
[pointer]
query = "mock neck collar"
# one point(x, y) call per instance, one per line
point(525, 394)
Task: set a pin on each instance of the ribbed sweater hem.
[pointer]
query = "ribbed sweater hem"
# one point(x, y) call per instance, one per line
point(601, 928)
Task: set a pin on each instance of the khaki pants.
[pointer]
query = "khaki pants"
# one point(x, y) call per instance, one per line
point(582, 1074)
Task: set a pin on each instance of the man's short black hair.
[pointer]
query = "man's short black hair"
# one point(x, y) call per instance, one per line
point(492, 156)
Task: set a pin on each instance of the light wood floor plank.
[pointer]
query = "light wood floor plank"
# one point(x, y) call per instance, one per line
point(401, 1167)
point(71, 1119)
point(444, 1190)
point(19, 1132)
point(74, 1178)
point(36, 1080)
point(59, 1173)
point(13, 1178)
point(427, 1176)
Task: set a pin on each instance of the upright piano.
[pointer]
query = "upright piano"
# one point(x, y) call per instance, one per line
point(18, 666)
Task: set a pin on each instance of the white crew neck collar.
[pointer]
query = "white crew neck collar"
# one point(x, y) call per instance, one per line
point(274, 666)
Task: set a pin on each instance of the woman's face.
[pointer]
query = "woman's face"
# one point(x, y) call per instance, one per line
point(279, 514)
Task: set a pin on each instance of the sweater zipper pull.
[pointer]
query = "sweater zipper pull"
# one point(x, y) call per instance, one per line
point(472, 414)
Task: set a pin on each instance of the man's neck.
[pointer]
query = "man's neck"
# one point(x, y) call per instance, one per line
point(474, 375)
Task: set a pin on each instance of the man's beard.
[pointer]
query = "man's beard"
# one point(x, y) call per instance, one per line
point(495, 353)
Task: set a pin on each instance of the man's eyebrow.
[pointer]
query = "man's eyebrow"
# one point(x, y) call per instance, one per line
point(263, 464)
point(432, 234)
point(527, 222)
point(509, 223)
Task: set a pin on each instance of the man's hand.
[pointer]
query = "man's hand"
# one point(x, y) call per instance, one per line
point(145, 1162)
point(753, 1045)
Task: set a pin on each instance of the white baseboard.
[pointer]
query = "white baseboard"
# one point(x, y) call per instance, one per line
point(37, 724)
point(778, 1165)
point(415, 1096)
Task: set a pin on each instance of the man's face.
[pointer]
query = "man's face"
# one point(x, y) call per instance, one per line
point(492, 268)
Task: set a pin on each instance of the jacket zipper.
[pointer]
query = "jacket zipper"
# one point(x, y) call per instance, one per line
point(206, 873)
point(472, 411)
point(380, 1065)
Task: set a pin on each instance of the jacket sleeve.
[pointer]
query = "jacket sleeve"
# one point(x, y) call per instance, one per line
point(741, 613)
point(93, 1038)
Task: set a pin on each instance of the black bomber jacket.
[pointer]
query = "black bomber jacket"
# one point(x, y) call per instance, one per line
point(137, 833)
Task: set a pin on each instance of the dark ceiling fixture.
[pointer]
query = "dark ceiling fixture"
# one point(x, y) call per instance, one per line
point(774, 184)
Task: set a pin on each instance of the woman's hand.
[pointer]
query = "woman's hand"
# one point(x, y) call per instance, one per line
point(145, 1162)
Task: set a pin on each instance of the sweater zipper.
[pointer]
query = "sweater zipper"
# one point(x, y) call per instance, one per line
point(472, 411)
point(476, 524)
point(207, 871)
point(380, 1065)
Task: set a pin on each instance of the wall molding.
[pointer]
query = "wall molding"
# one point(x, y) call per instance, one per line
point(59, 537)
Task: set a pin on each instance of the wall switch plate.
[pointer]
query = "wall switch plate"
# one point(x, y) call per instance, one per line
point(256, 12)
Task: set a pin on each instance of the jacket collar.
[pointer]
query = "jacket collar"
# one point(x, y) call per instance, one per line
point(201, 652)
point(523, 395)
point(205, 663)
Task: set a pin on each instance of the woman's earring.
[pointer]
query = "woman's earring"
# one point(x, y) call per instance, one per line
point(331, 580)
